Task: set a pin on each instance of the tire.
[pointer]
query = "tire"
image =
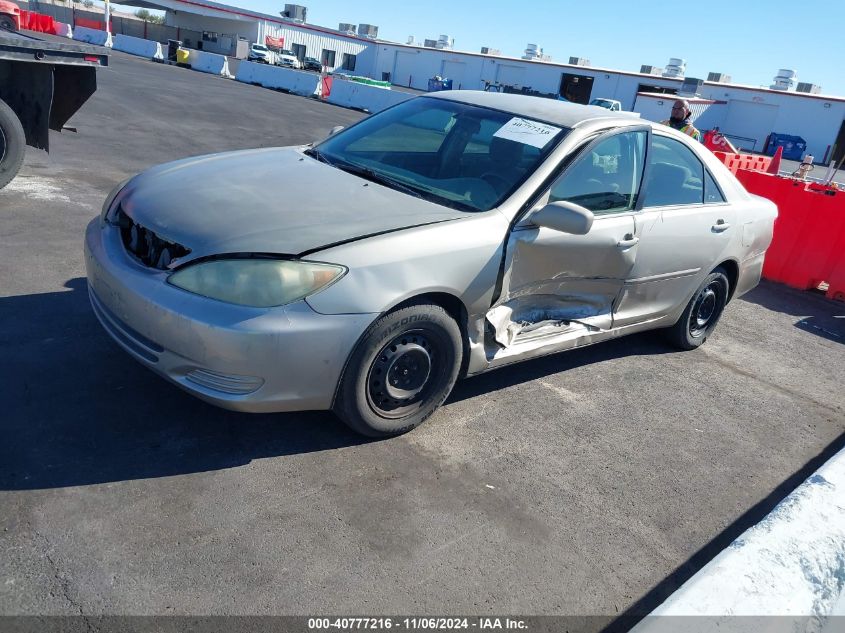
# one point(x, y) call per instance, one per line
point(7, 23)
point(12, 144)
point(402, 369)
point(702, 312)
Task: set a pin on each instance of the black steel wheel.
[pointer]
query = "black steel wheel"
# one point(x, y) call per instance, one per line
point(403, 368)
point(12, 144)
point(702, 312)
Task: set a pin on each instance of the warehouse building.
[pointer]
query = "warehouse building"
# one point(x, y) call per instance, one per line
point(746, 114)
point(230, 30)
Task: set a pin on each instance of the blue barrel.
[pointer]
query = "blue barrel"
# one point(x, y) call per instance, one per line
point(793, 146)
point(436, 85)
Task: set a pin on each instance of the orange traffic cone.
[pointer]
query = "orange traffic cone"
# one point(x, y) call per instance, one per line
point(774, 166)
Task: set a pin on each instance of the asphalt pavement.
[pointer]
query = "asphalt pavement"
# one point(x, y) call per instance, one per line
point(588, 483)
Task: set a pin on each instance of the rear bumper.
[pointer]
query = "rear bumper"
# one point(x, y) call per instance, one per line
point(288, 358)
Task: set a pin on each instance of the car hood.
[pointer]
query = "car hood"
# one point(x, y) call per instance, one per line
point(267, 201)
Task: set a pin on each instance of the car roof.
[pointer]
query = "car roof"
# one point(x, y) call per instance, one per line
point(562, 113)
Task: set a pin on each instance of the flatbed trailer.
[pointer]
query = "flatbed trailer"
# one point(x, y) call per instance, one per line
point(42, 84)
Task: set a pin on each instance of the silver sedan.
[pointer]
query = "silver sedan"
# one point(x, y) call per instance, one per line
point(444, 237)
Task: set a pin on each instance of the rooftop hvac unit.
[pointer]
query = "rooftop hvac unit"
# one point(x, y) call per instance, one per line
point(579, 61)
point(721, 78)
point(532, 51)
point(410, 41)
point(650, 70)
point(430, 43)
point(812, 89)
point(785, 79)
point(486, 50)
point(295, 12)
point(691, 86)
point(368, 30)
point(676, 67)
point(346, 28)
point(444, 42)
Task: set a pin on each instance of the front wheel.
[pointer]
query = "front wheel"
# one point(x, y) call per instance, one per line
point(7, 23)
point(403, 368)
point(702, 312)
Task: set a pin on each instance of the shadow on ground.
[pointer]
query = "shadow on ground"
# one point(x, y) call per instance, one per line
point(78, 410)
point(813, 312)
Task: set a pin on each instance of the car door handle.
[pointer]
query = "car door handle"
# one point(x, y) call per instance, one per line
point(720, 226)
point(627, 242)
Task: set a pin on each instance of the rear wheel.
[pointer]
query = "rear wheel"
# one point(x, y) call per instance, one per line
point(403, 368)
point(12, 144)
point(702, 312)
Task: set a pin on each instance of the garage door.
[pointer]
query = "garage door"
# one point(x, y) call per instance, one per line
point(747, 124)
point(511, 75)
point(456, 71)
point(403, 68)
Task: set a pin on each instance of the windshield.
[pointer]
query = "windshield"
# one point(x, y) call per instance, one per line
point(258, 47)
point(286, 52)
point(458, 155)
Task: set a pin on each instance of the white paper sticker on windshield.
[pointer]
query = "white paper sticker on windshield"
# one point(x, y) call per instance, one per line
point(527, 132)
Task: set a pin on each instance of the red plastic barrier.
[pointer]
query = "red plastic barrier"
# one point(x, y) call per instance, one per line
point(716, 142)
point(808, 246)
point(91, 24)
point(32, 21)
point(327, 87)
point(735, 162)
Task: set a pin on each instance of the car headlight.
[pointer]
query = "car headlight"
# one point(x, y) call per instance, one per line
point(109, 202)
point(258, 283)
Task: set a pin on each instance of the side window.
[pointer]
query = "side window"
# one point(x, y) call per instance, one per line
point(676, 176)
point(711, 191)
point(327, 58)
point(607, 178)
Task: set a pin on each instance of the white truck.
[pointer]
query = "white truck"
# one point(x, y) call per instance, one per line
point(288, 59)
point(263, 55)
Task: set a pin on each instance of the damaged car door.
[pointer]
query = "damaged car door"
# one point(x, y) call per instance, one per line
point(561, 278)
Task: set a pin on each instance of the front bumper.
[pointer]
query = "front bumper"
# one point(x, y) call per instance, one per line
point(288, 358)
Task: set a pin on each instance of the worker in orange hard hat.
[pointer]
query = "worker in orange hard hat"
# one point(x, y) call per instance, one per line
point(679, 119)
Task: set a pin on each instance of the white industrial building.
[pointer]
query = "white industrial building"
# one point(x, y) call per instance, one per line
point(222, 26)
point(746, 113)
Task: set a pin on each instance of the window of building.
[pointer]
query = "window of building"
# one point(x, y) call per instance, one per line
point(348, 61)
point(298, 51)
point(328, 58)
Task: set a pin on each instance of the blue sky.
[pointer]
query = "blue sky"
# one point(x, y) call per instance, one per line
point(747, 39)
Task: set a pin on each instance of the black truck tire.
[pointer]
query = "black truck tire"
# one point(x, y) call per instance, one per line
point(7, 23)
point(12, 144)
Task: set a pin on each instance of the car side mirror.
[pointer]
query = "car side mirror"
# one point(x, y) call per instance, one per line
point(335, 130)
point(566, 217)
